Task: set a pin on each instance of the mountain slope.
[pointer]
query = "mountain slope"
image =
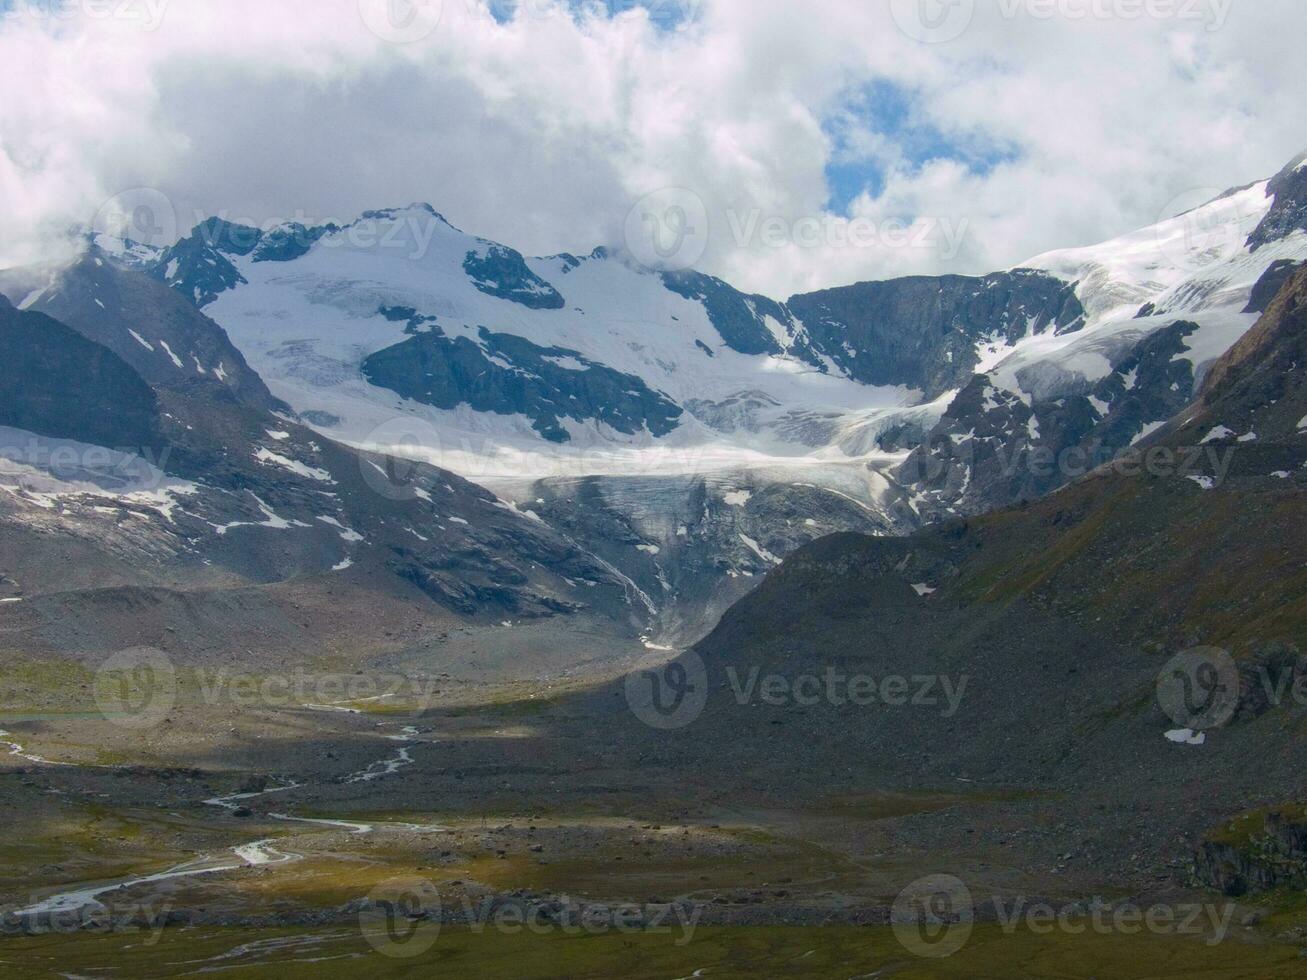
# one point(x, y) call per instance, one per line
point(162, 336)
point(1162, 305)
point(42, 361)
point(687, 433)
point(188, 486)
point(1062, 615)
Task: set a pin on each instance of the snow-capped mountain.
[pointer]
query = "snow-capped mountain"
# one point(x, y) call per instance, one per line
point(1162, 305)
point(110, 481)
point(681, 434)
point(691, 434)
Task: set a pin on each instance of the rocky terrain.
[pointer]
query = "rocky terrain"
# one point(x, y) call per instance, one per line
point(695, 605)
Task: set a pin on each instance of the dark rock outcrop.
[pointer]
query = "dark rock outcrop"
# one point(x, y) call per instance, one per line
point(508, 375)
point(922, 332)
point(55, 382)
point(1289, 212)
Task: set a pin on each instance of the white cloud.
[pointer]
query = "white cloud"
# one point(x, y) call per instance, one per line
point(543, 132)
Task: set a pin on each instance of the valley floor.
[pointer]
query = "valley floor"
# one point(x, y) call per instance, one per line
point(509, 832)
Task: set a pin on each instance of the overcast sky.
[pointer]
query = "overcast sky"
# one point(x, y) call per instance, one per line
point(993, 129)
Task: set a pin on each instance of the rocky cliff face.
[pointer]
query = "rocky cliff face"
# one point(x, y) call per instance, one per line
point(1063, 613)
point(507, 375)
point(1255, 853)
point(211, 488)
point(54, 382)
point(926, 332)
point(1289, 213)
point(159, 333)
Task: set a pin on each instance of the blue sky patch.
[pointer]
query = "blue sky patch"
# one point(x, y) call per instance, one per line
point(664, 14)
point(882, 125)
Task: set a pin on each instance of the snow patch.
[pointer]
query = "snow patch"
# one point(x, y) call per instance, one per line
point(346, 534)
point(759, 550)
point(1148, 429)
point(273, 522)
point(566, 363)
point(168, 350)
point(268, 457)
